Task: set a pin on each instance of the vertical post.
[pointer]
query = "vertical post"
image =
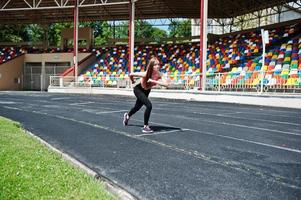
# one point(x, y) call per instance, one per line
point(131, 36)
point(203, 42)
point(61, 82)
point(43, 76)
point(46, 30)
point(265, 40)
point(41, 82)
point(22, 82)
point(114, 34)
point(75, 40)
point(219, 81)
point(279, 10)
point(31, 79)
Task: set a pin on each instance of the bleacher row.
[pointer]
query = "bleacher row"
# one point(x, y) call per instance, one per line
point(282, 64)
point(112, 63)
point(233, 60)
point(8, 53)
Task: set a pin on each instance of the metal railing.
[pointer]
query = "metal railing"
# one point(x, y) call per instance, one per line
point(177, 82)
point(255, 81)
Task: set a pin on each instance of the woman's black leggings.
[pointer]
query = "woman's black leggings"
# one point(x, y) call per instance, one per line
point(142, 99)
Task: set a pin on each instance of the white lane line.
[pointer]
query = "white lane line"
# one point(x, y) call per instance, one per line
point(51, 106)
point(253, 127)
point(257, 111)
point(12, 108)
point(237, 125)
point(160, 132)
point(248, 141)
point(133, 136)
point(111, 102)
point(60, 98)
point(7, 102)
point(109, 112)
point(83, 103)
point(264, 120)
point(232, 138)
point(267, 114)
point(195, 154)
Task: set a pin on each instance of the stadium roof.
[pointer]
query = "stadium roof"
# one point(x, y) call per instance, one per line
point(48, 11)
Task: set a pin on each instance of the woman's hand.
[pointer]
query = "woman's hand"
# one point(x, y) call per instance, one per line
point(132, 78)
point(150, 80)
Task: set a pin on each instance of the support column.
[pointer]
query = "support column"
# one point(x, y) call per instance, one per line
point(43, 76)
point(46, 31)
point(203, 42)
point(75, 40)
point(131, 36)
point(265, 40)
point(114, 30)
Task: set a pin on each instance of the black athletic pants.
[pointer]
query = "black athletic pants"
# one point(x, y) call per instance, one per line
point(142, 99)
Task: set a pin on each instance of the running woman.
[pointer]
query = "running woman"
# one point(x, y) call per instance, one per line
point(150, 78)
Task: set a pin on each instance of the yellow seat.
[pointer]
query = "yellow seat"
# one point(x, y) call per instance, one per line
point(255, 82)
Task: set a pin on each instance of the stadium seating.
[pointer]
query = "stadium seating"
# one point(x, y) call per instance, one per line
point(177, 61)
point(233, 60)
point(8, 53)
point(237, 56)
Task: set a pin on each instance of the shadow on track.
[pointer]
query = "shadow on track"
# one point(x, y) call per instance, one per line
point(158, 128)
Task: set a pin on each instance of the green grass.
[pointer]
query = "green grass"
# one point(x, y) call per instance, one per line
point(28, 170)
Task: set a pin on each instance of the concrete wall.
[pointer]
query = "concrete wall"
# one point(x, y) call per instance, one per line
point(12, 71)
point(81, 65)
point(54, 57)
point(85, 33)
point(11, 74)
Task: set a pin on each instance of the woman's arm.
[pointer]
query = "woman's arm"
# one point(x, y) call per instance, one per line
point(136, 74)
point(162, 82)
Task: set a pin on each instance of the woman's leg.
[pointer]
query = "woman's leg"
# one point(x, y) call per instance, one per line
point(138, 91)
point(137, 107)
point(148, 109)
point(142, 99)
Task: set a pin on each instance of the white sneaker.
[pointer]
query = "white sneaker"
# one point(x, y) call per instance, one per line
point(126, 118)
point(147, 129)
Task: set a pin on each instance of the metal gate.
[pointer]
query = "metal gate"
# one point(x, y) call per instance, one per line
point(35, 79)
point(54, 69)
point(32, 78)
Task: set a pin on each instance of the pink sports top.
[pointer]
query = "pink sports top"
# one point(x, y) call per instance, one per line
point(155, 76)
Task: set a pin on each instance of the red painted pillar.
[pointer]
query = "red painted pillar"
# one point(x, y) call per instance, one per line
point(129, 35)
point(75, 38)
point(201, 40)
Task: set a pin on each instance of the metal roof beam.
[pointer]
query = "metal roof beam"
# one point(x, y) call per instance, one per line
point(38, 3)
point(5, 4)
point(103, 4)
point(66, 3)
point(28, 3)
point(59, 5)
point(292, 9)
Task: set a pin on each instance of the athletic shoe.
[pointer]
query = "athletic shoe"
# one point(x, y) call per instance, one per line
point(126, 118)
point(147, 129)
